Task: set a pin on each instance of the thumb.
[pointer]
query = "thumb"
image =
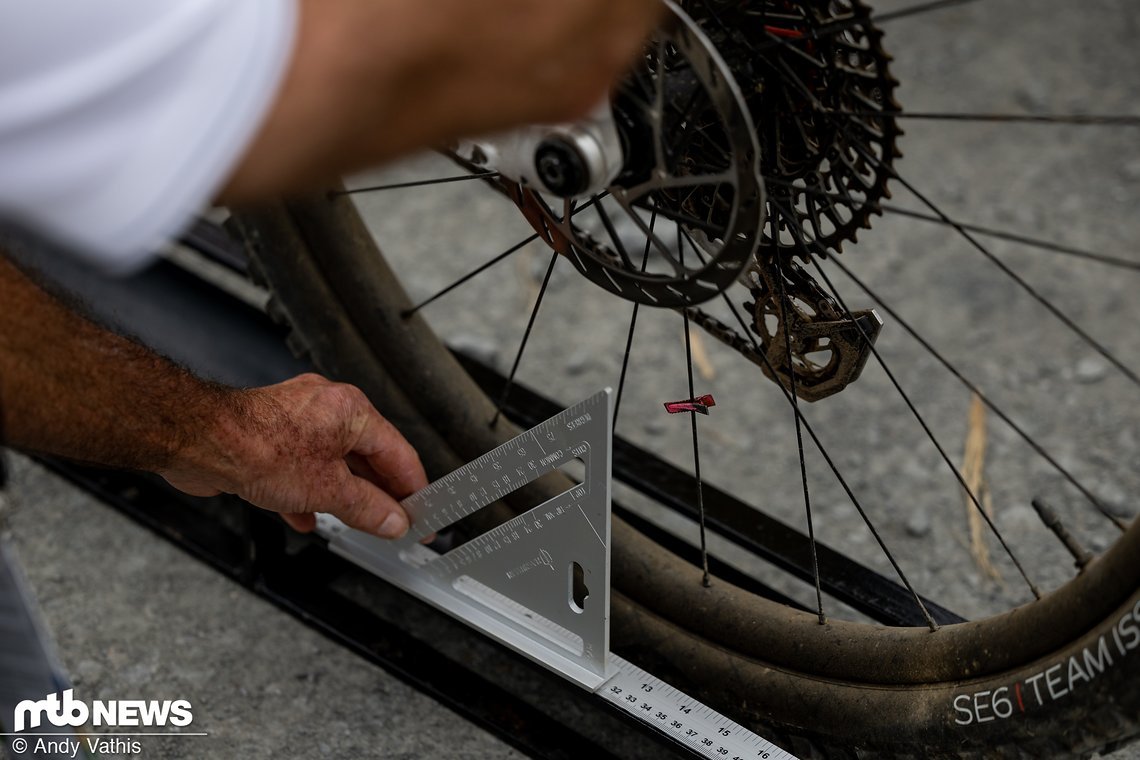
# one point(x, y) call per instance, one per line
point(361, 505)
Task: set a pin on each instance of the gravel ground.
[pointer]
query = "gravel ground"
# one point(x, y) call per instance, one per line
point(1077, 185)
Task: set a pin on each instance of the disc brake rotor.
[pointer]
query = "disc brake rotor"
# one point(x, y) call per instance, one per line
point(691, 174)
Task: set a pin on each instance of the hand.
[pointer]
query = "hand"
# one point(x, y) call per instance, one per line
point(373, 79)
point(304, 446)
point(534, 61)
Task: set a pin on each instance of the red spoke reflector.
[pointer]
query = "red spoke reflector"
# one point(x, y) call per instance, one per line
point(700, 404)
point(790, 34)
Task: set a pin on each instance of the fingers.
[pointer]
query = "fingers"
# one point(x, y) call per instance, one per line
point(358, 504)
point(322, 447)
point(360, 467)
point(302, 523)
point(365, 507)
point(393, 464)
point(190, 485)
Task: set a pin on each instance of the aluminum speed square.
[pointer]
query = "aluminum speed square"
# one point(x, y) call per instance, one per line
point(540, 582)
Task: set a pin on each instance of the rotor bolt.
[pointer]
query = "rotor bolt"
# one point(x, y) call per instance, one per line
point(562, 167)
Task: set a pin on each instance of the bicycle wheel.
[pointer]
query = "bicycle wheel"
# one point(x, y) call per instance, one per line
point(1049, 676)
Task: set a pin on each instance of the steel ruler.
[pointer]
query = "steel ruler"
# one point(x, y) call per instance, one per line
point(682, 718)
point(540, 582)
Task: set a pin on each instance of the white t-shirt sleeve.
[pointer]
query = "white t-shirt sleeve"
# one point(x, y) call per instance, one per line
point(121, 119)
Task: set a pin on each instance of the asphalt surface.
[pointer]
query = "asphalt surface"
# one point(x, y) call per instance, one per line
point(135, 618)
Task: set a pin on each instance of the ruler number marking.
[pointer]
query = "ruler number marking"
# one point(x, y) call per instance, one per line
point(696, 725)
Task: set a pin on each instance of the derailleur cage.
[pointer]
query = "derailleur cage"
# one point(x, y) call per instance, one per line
point(804, 330)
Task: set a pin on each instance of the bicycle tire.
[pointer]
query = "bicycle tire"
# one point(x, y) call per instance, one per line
point(1053, 677)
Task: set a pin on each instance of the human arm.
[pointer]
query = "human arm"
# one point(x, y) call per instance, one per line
point(73, 389)
point(370, 80)
point(122, 121)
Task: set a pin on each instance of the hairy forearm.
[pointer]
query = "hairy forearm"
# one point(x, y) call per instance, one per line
point(71, 388)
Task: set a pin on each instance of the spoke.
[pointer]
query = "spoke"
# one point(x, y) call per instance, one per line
point(838, 475)
point(1052, 308)
point(639, 87)
point(1049, 306)
point(984, 398)
point(803, 244)
point(659, 108)
point(526, 337)
point(804, 89)
point(662, 249)
point(827, 458)
point(1083, 120)
point(840, 26)
point(514, 248)
point(633, 323)
point(1013, 237)
point(419, 183)
point(786, 305)
point(612, 232)
point(497, 259)
point(679, 217)
point(969, 384)
point(696, 455)
point(693, 423)
point(686, 111)
point(1044, 245)
point(917, 10)
point(571, 209)
point(684, 180)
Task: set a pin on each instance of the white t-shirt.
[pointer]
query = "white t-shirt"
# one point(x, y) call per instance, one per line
point(120, 119)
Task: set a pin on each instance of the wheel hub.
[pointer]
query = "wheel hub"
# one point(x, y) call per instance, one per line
point(689, 172)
